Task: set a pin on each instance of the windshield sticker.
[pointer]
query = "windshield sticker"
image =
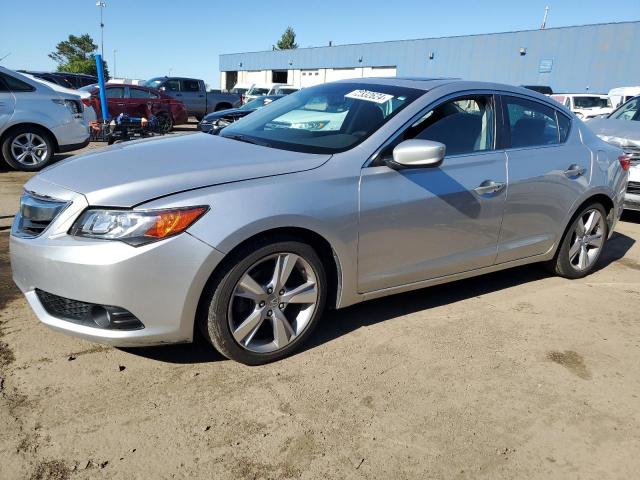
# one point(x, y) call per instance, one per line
point(369, 96)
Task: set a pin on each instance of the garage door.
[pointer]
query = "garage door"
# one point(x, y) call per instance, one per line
point(334, 74)
point(309, 78)
point(255, 76)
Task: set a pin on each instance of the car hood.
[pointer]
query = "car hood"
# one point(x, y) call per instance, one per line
point(231, 112)
point(128, 174)
point(608, 128)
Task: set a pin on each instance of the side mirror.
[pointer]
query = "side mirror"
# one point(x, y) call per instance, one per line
point(419, 153)
point(163, 88)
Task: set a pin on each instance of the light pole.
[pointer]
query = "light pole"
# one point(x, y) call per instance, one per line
point(102, 5)
point(114, 63)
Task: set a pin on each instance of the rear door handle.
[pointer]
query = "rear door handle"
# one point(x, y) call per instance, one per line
point(574, 171)
point(201, 96)
point(489, 187)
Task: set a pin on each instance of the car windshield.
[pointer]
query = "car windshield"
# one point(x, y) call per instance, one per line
point(286, 91)
point(628, 111)
point(591, 102)
point(328, 118)
point(154, 82)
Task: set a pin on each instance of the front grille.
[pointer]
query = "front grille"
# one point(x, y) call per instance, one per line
point(89, 314)
point(35, 215)
point(633, 188)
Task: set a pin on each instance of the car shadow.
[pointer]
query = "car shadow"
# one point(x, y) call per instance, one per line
point(337, 323)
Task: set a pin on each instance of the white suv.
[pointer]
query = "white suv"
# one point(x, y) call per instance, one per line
point(37, 121)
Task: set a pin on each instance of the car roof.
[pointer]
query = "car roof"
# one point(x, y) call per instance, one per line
point(603, 95)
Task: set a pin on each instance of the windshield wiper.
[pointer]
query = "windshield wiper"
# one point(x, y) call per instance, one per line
point(246, 139)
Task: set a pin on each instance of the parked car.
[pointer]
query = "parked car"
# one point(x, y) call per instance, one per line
point(247, 235)
point(214, 122)
point(65, 79)
point(192, 92)
point(543, 89)
point(585, 105)
point(621, 95)
point(37, 121)
point(261, 89)
point(140, 102)
point(622, 129)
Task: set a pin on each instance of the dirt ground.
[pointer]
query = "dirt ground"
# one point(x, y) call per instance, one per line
point(513, 375)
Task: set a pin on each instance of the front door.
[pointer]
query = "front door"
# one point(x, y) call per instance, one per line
point(192, 97)
point(422, 223)
point(548, 170)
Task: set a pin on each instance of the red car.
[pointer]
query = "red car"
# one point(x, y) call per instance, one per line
point(138, 101)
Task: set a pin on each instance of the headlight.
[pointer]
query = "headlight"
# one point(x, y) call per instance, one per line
point(135, 228)
point(579, 115)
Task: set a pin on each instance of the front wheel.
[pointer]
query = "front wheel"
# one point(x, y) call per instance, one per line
point(266, 302)
point(582, 243)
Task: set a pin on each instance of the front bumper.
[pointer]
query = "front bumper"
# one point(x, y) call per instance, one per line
point(160, 283)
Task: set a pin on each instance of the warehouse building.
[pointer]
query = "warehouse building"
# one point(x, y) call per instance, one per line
point(586, 58)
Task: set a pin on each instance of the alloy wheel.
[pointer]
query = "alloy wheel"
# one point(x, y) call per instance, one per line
point(587, 239)
point(29, 149)
point(273, 302)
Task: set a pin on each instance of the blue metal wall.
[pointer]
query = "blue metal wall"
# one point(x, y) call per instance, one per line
point(589, 57)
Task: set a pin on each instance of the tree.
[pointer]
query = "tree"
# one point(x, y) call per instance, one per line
point(77, 55)
point(288, 40)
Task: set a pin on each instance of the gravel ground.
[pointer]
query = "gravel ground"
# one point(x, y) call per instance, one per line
point(512, 375)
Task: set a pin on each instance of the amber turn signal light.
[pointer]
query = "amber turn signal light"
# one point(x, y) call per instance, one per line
point(171, 222)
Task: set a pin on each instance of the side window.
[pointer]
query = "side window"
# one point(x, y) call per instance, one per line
point(530, 123)
point(15, 85)
point(172, 85)
point(115, 92)
point(190, 85)
point(463, 125)
point(564, 125)
point(139, 93)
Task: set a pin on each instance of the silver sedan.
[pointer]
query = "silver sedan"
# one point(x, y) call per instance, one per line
point(333, 195)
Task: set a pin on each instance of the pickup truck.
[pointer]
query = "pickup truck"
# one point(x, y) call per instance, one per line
point(193, 93)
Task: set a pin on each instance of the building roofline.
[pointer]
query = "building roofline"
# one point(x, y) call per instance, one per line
point(434, 38)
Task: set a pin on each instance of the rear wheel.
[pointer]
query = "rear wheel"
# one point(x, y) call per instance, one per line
point(582, 244)
point(266, 303)
point(28, 148)
point(165, 122)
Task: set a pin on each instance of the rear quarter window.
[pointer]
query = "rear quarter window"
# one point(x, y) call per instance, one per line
point(15, 85)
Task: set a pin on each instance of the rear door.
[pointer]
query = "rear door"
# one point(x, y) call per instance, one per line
point(7, 103)
point(549, 168)
point(192, 96)
point(421, 223)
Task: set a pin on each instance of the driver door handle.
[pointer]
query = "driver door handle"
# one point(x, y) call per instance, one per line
point(489, 187)
point(575, 171)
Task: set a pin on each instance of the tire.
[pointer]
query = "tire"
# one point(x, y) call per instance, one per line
point(222, 106)
point(35, 142)
point(569, 263)
point(224, 308)
point(165, 122)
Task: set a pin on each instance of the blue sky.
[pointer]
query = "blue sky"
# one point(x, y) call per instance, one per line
point(152, 37)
